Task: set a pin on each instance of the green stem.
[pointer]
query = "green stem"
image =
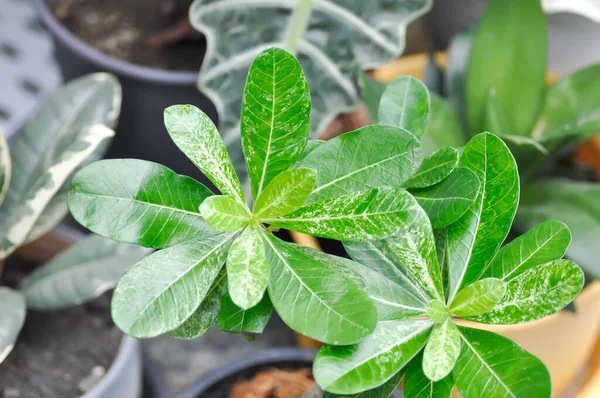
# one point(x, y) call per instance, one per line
point(300, 19)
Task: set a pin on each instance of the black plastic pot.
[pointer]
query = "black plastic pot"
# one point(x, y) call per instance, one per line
point(217, 383)
point(146, 93)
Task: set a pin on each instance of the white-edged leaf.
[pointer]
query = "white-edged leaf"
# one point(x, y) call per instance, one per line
point(441, 351)
point(405, 103)
point(13, 310)
point(83, 272)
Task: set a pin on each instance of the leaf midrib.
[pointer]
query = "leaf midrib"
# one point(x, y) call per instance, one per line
point(176, 209)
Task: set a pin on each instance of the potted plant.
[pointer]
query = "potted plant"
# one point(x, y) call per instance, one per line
point(185, 288)
point(70, 129)
point(543, 156)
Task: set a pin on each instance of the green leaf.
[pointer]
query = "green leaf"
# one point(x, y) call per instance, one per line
point(206, 315)
point(570, 107)
point(493, 366)
point(287, 192)
point(417, 385)
point(247, 269)
point(527, 152)
point(478, 297)
point(370, 157)
point(5, 167)
point(373, 361)
point(545, 242)
point(371, 91)
point(163, 290)
point(456, 72)
point(311, 145)
point(507, 60)
point(449, 200)
point(332, 40)
point(13, 310)
point(316, 300)
point(443, 128)
point(405, 104)
point(496, 118)
point(577, 204)
point(442, 351)
point(275, 117)
point(474, 238)
point(138, 202)
point(383, 391)
point(434, 169)
point(83, 272)
point(437, 311)
point(537, 293)
point(244, 322)
point(224, 213)
point(356, 216)
point(197, 137)
point(440, 245)
point(379, 257)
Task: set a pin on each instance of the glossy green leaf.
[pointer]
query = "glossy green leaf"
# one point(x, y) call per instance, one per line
point(493, 366)
point(275, 117)
point(26, 200)
point(5, 166)
point(383, 391)
point(512, 63)
point(441, 351)
point(311, 145)
point(537, 293)
point(224, 213)
point(371, 92)
point(83, 272)
point(13, 310)
point(314, 299)
point(379, 257)
point(577, 204)
point(370, 157)
point(478, 297)
point(437, 311)
point(356, 216)
point(443, 128)
point(163, 290)
point(206, 315)
point(197, 137)
point(373, 361)
point(247, 269)
point(474, 238)
point(543, 243)
point(244, 322)
point(496, 118)
point(456, 72)
point(450, 199)
point(287, 192)
point(405, 104)
point(417, 385)
point(442, 255)
point(434, 169)
point(332, 39)
point(138, 202)
point(571, 107)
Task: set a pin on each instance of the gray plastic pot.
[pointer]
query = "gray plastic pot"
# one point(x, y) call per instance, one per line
point(217, 383)
point(146, 93)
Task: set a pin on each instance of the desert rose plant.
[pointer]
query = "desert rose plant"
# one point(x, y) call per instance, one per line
point(349, 189)
point(72, 127)
point(425, 282)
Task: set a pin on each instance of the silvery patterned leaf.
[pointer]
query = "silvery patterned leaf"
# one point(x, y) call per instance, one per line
point(83, 272)
point(12, 308)
point(224, 213)
point(5, 166)
point(330, 38)
point(441, 351)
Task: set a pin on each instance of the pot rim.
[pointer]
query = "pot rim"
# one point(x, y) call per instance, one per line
point(259, 358)
point(108, 63)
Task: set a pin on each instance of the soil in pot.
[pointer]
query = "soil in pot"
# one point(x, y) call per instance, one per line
point(59, 354)
point(154, 33)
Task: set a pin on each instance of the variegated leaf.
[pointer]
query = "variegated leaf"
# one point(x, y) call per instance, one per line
point(247, 269)
point(373, 361)
point(81, 273)
point(163, 290)
point(5, 166)
point(405, 103)
point(478, 297)
point(248, 322)
point(275, 117)
point(370, 157)
point(383, 391)
point(197, 137)
point(224, 213)
point(417, 385)
point(13, 310)
point(138, 202)
point(356, 216)
point(287, 192)
point(442, 351)
point(434, 169)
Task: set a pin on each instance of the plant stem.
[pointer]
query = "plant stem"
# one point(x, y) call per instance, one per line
point(296, 30)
